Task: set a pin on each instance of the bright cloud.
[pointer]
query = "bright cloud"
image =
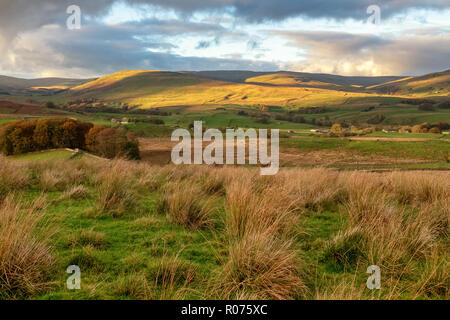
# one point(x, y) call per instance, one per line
point(309, 36)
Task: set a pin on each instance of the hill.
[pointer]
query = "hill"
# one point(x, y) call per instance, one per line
point(287, 78)
point(149, 89)
point(162, 88)
point(311, 80)
point(14, 86)
point(427, 85)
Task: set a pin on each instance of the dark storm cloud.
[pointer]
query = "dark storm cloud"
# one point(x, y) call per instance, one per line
point(24, 14)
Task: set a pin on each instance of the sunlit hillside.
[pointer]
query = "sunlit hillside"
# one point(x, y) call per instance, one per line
point(325, 81)
point(431, 84)
point(159, 88)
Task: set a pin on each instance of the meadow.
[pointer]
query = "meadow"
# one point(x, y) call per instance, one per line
point(150, 230)
point(139, 231)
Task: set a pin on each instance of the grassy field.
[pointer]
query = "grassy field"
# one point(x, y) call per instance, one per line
point(143, 232)
point(45, 155)
point(430, 149)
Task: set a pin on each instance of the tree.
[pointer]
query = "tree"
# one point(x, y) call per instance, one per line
point(336, 128)
point(435, 130)
point(50, 105)
point(91, 138)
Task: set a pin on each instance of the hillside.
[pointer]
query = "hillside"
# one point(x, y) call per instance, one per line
point(310, 80)
point(160, 88)
point(148, 89)
point(14, 86)
point(286, 78)
point(430, 84)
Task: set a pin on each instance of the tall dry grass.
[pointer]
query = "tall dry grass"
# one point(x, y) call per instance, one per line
point(185, 203)
point(398, 221)
point(383, 229)
point(26, 259)
point(261, 266)
point(13, 176)
point(261, 262)
point(116, 187)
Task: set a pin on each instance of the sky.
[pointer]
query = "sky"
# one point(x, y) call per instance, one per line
point(346, 37)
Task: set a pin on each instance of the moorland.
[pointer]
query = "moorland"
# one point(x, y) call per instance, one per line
point(364, 181)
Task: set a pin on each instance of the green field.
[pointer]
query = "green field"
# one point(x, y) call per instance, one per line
point(45, 155)
point(120, 223)
point(430, 149)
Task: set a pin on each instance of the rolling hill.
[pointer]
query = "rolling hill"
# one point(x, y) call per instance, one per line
point(148, 89)
point(12, 86)
point(160, 88)
point(287, 78)
point(326, 81)
point(432, 84)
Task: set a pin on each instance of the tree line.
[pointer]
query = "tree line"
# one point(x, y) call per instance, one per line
point(29, 136)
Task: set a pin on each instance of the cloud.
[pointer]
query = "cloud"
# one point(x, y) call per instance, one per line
point(34, 40)
point(370, 55)
point(96, 50)
point(259, 10)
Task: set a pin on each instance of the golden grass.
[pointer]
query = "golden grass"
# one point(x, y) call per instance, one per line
point(186, 204)
point(75, 193)
point(261, 266)
point(117, 193)
point(13, 176)
point(261, 262)
point(398, 221)
point(26, 260)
